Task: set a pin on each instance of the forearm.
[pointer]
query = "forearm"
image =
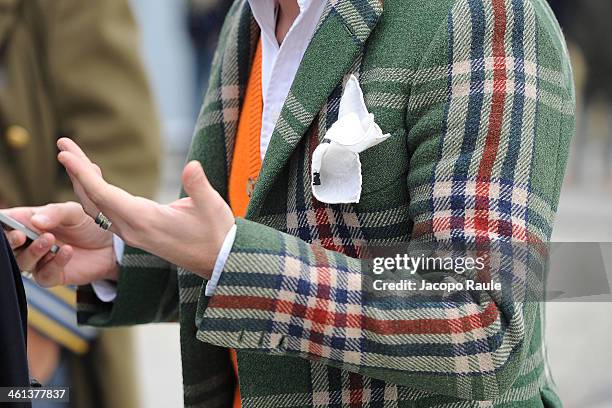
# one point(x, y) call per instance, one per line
point(304, 300)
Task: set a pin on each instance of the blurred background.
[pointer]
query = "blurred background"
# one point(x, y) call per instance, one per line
point(177, 40)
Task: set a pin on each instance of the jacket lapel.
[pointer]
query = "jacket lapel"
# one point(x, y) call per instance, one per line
point(217, 124)
point(342, 32)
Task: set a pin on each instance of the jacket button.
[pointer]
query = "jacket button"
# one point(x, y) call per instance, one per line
point(250, 186)
point(17, 137)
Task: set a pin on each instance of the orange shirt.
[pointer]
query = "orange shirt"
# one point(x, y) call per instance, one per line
point(246, 161)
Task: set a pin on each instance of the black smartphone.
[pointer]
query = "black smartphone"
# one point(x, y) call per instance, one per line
point(10, 223)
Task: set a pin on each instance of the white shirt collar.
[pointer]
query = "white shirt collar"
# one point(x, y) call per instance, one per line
point(264, 12)
point(281, 62)
point(257, 5)
point(304, 4)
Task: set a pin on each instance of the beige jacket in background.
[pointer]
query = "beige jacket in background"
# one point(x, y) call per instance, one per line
point(72, 68)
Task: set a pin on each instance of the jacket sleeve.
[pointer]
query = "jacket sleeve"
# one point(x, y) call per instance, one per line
point(147, 292)
point(488, 125)
point(100, 92)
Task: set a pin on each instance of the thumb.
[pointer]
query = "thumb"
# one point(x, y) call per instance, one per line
point(54, 215)
point(196, 183)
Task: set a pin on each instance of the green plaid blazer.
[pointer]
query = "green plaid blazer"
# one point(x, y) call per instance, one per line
point(478, 98)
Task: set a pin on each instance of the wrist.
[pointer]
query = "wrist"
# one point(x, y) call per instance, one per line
point(113, 269)
point(114, 272)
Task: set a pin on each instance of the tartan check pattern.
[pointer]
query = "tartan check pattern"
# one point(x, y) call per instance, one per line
point(479, 107)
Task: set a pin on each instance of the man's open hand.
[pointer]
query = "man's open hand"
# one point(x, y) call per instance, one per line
point(188, 232)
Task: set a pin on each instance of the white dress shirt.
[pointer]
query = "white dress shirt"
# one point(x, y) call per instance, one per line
point(279, 62)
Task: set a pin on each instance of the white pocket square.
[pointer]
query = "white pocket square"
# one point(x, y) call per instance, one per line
point(336, 168)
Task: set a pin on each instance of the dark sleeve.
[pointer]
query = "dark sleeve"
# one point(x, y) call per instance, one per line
point(13, 320)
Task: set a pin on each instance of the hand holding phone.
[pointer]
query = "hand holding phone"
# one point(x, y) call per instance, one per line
point(10, 223)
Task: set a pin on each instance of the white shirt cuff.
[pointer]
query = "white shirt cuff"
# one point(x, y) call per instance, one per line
point(224, 253)
point(119, 247)
point(105, 290)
